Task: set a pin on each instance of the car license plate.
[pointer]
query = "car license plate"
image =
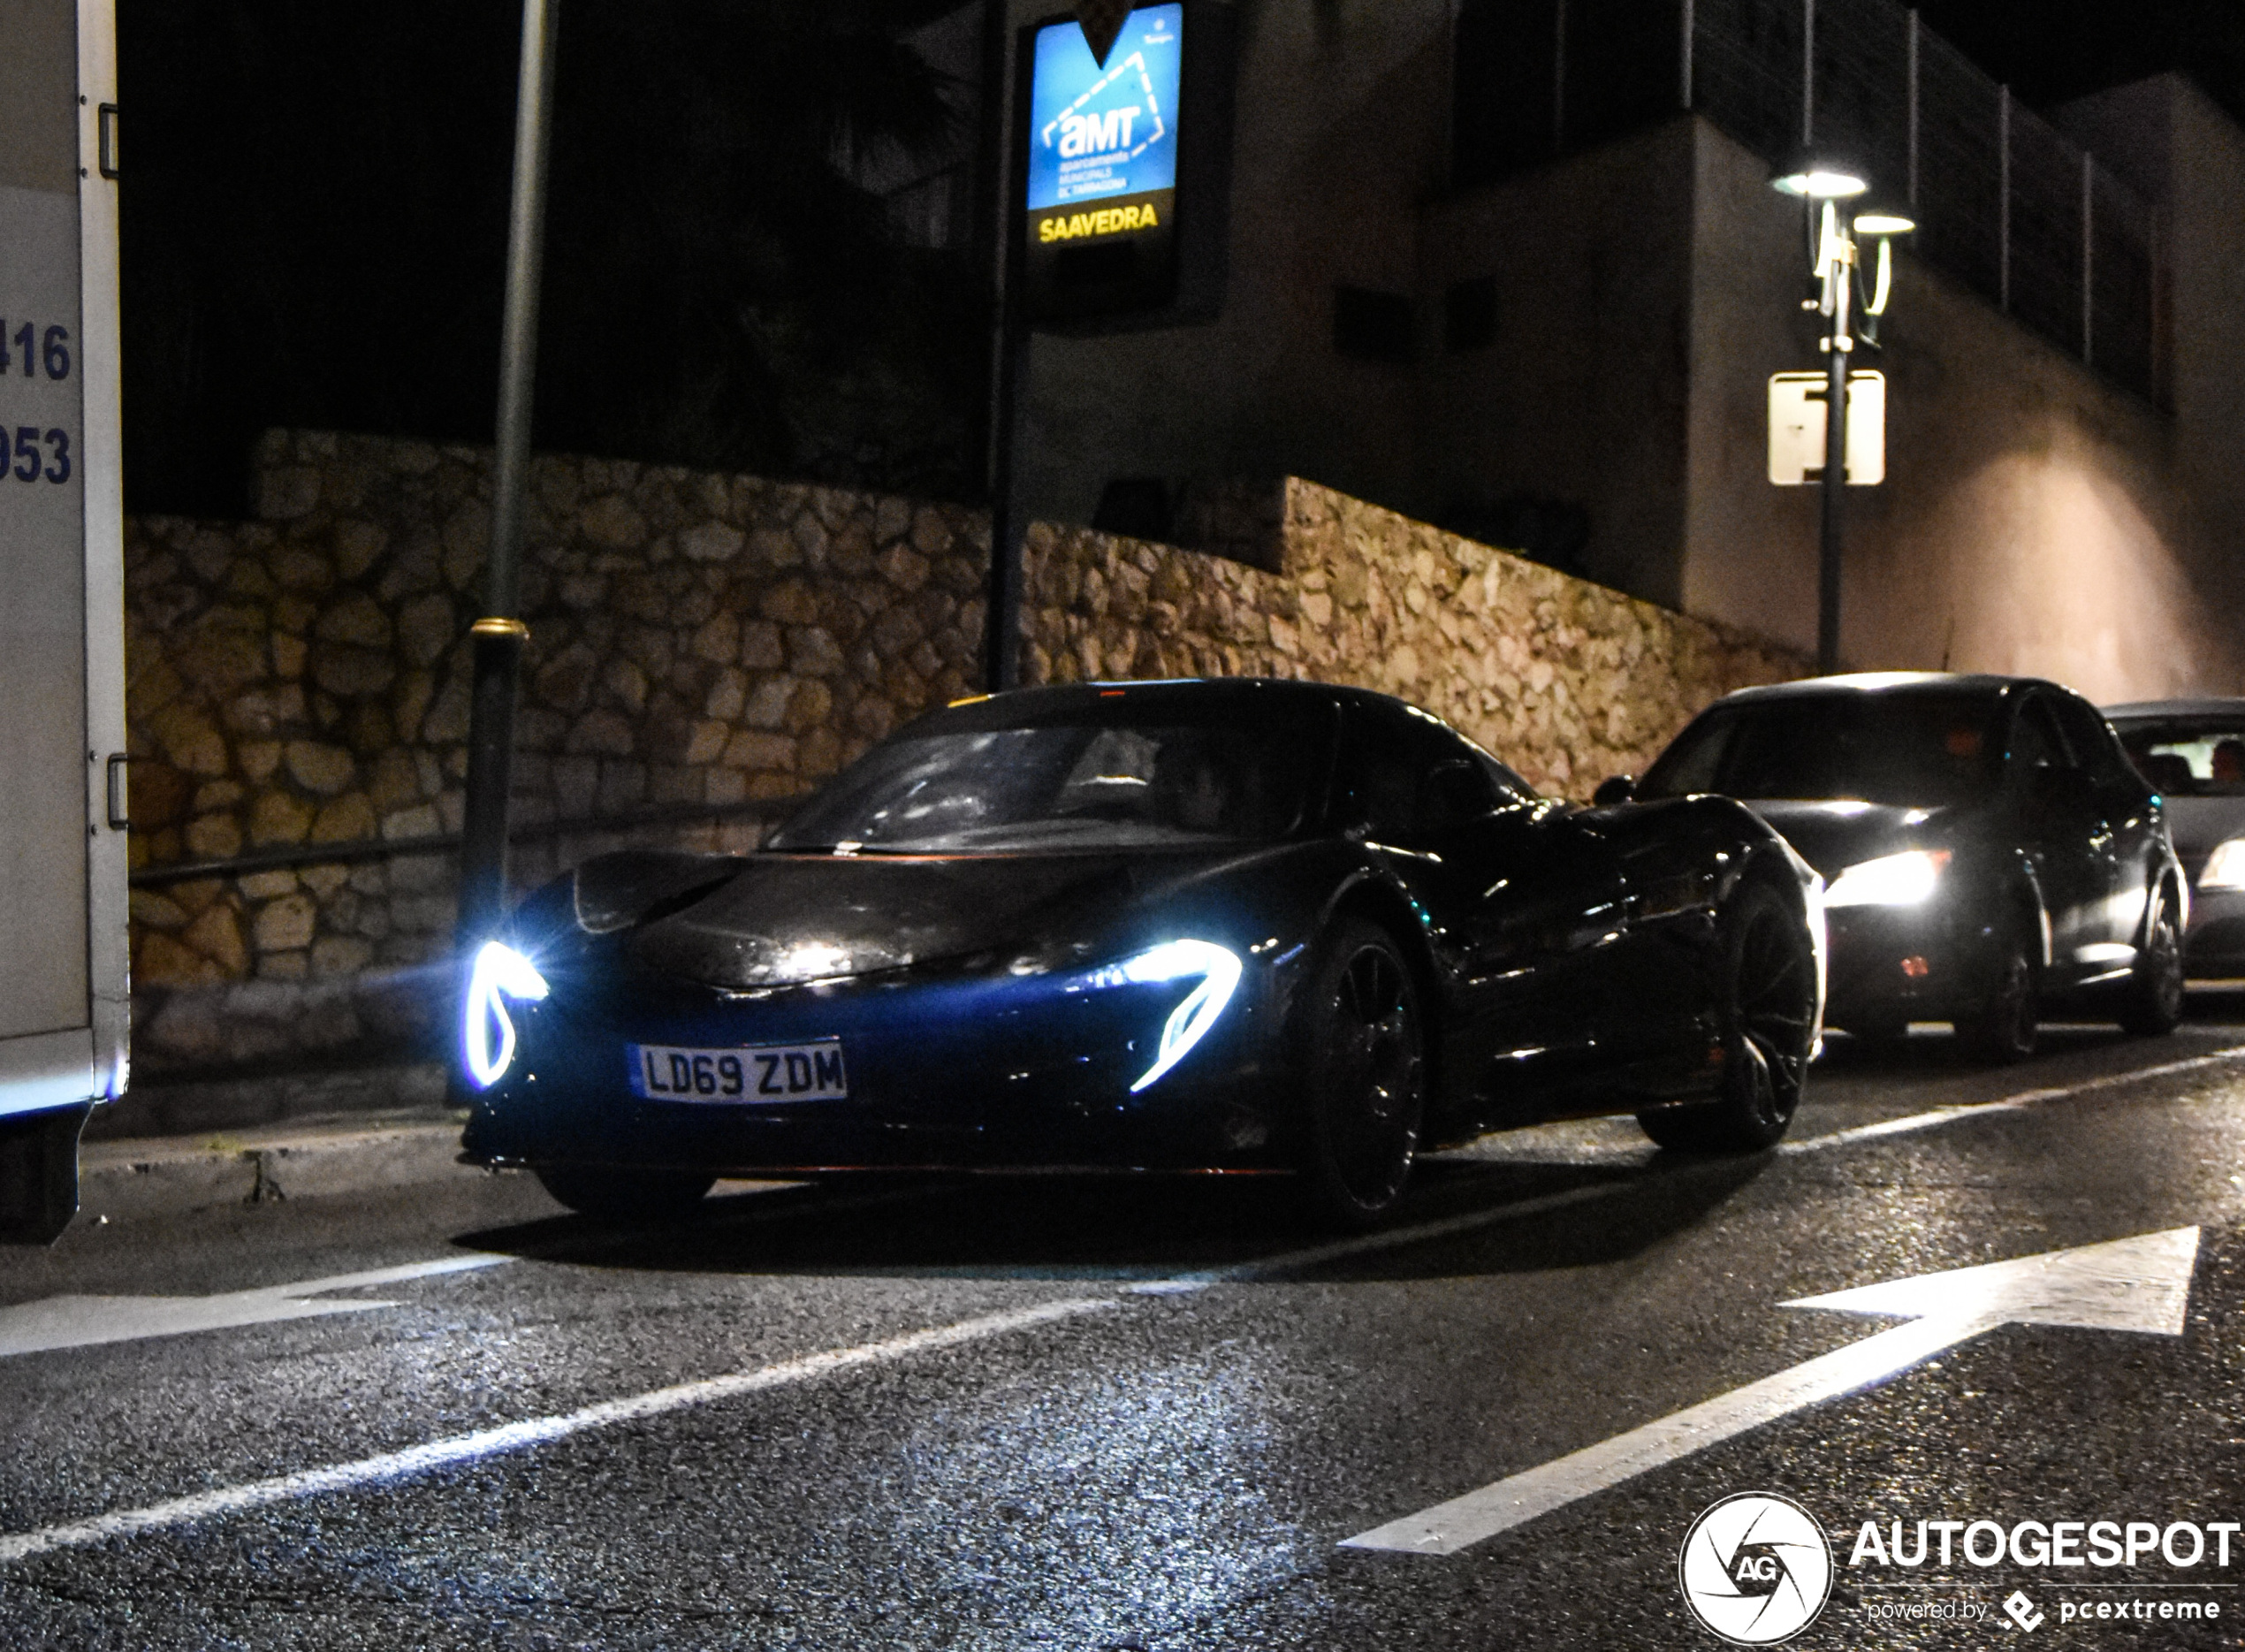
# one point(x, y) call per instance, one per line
point(764, 1072)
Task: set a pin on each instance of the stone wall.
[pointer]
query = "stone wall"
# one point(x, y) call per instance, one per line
point(699, 644)
point(1567, 681)
point(703, 647)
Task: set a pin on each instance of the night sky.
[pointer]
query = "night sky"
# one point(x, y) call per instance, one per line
point(2050, 50)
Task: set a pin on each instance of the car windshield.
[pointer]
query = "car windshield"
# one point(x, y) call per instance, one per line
point(1921, 751)
point(2189, 757)
point(1096, 779)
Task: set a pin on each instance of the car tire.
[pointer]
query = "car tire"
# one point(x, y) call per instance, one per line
point(1768, 1012)
point(626, 1195)
point(2003, 1029)
point(1364, 1078)
point(2151, 1004)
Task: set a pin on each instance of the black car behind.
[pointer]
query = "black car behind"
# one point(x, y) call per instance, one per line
point(1989, 853)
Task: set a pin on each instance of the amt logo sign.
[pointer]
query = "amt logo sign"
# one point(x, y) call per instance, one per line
point(1097, 133)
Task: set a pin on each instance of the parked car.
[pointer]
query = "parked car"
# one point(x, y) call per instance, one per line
point(2192, 752)
point(1221, 925)
point(1989, 853)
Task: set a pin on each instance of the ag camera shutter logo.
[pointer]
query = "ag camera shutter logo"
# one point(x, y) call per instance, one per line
point(1756, 1568)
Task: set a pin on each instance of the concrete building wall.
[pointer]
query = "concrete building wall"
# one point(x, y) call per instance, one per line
point(1341, 134)
point(1582, 396)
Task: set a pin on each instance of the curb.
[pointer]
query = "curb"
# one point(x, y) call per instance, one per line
point(168, 1176)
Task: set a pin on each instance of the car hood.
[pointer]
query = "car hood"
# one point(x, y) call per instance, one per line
point(782, 919)
point(1833, 836)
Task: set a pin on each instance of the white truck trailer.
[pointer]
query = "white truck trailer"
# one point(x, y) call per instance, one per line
point(64, 1002)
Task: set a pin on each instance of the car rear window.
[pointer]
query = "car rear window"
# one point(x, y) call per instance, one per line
point(2189, 757)
point(1921, 750)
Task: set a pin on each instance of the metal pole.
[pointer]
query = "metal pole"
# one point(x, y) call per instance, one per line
point(1001, 611)
point(1838, 348)
point(499, 636)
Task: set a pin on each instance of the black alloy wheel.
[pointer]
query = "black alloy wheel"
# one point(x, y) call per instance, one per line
point(2151, 1004)
point(621, 1195)
point(1362, 1044)
point(1768, 1016)
point(2003, 1028)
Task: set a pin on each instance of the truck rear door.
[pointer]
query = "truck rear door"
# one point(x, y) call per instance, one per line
point(62, 959)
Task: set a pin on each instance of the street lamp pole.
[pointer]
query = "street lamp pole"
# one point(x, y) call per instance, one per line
point(1823, 185)
point(1837, 260)
point(498, 637)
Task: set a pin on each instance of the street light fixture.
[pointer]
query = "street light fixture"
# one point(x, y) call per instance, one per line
point(1822, 184)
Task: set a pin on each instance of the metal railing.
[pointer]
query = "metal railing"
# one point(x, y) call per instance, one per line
point(2006, 202)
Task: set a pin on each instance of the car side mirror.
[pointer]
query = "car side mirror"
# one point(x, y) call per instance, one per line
point(1620, 789)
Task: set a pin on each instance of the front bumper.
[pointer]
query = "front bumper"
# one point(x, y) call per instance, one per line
point(1889, 964)
point(958, 1071)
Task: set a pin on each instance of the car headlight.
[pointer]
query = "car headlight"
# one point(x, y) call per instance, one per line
point(500, 973)
point(1904, 879)
point(2225, 868)
point(1218, 968)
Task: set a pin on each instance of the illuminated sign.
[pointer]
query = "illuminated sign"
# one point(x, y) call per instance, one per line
point(1102, 173)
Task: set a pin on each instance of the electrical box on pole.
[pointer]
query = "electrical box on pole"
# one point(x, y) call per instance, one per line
point(1797, 428)
point(62, 942)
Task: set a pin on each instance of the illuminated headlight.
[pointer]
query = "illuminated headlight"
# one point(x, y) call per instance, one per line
point(1218, 968)
point(488, 1032)
point(2225, 868)
point(1904, 879)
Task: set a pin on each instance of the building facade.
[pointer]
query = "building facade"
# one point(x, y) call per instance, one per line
point(1514, 267)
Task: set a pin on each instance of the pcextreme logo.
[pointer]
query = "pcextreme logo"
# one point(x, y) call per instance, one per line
point(1756, 1568)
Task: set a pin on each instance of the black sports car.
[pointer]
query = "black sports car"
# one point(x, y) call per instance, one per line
point(1222, 925)
point(1991, 853)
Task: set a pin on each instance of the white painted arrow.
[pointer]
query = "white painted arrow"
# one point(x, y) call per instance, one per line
point(80, 1322)
point(2138, 1285)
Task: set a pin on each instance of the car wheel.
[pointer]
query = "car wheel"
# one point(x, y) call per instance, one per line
point(1364, 1076)
point(2152, 1002)
point(1768, 1012)
point(2003, 1029)
point(626, 1195)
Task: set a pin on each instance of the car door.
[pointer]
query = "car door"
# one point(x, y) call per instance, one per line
point(1521, 901)
point(2064, 828)
point(2132, 847)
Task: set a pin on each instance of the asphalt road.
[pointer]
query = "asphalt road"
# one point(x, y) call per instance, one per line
point(1149, 1415)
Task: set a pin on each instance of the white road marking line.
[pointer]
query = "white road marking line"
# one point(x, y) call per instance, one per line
point(2004, 1104)
point(2140, 1284)
point(81, 1322)
point(1443, 1227)
point(517, 1437)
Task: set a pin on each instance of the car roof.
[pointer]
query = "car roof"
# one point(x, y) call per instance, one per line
point(1885, 683)
point(2145, 711)
point(1241, 690)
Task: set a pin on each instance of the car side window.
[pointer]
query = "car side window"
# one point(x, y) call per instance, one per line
point(1411, 776)
point(2035, 742)
point(2095, 748)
